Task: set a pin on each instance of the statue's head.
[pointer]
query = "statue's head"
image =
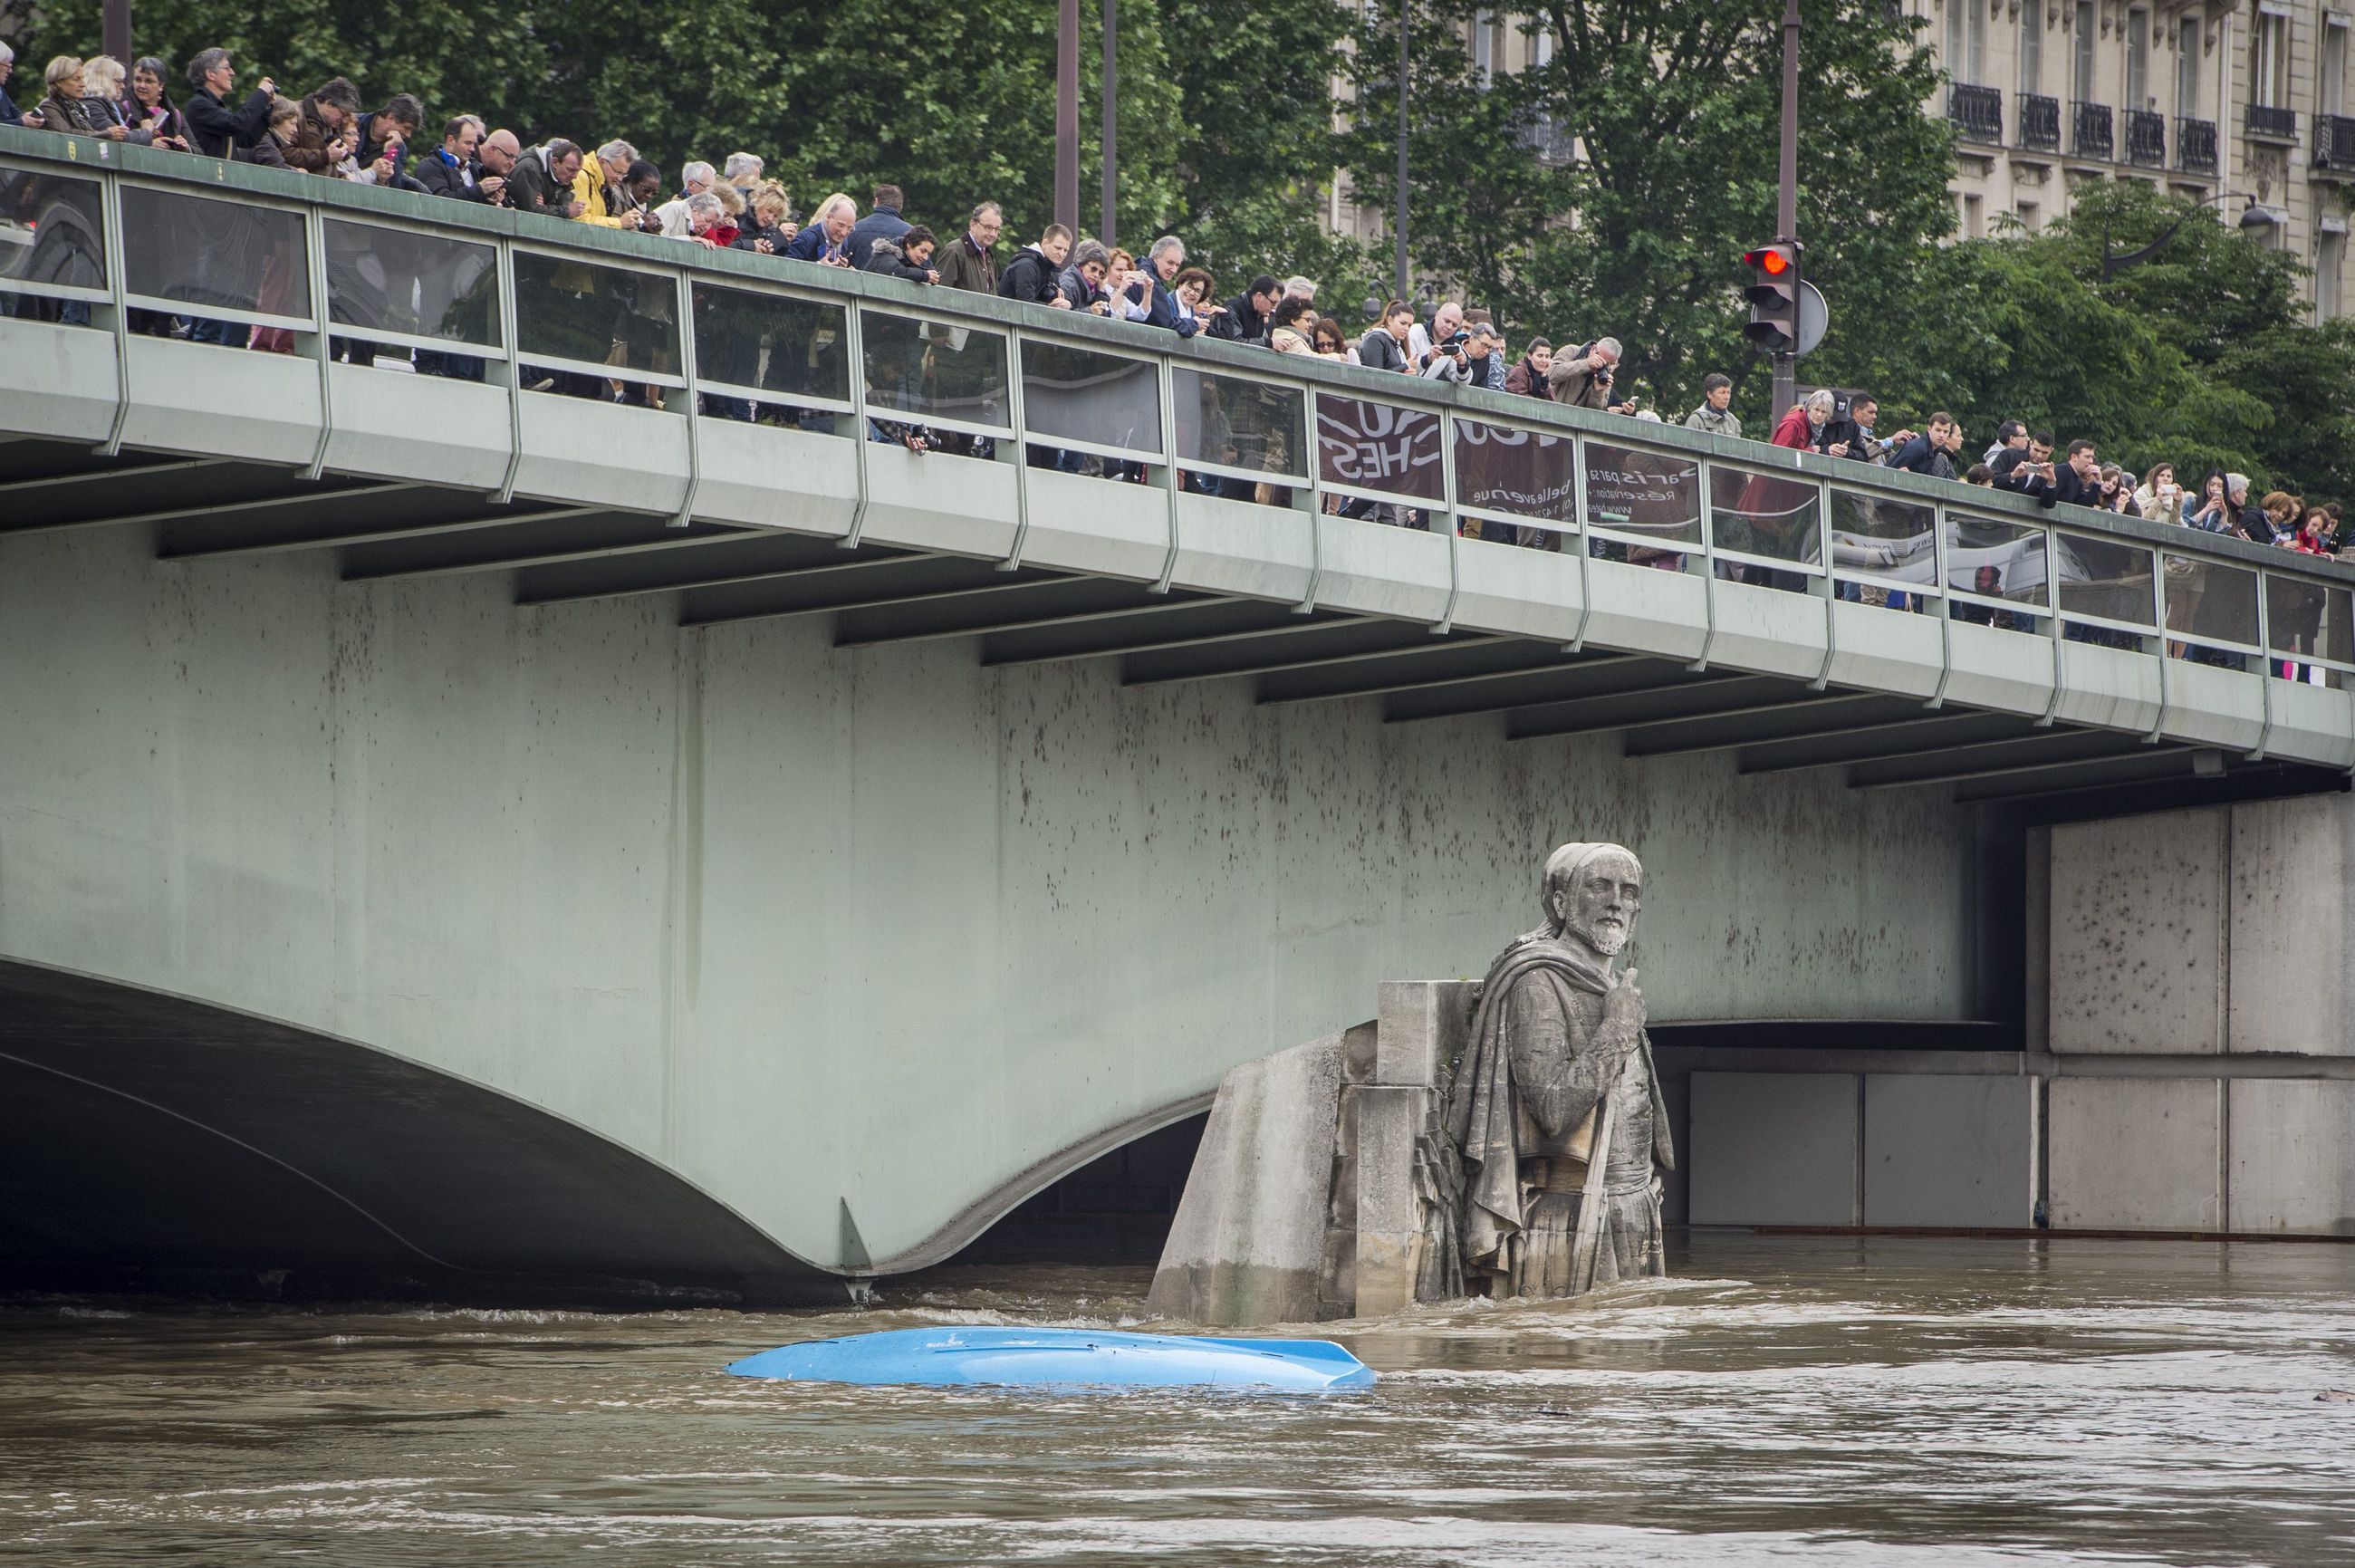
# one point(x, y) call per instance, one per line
point(1591, 894)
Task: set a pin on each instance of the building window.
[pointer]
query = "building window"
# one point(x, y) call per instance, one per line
point(1484, 47)
point(2269, 61)
point(1965, 41)
point(2032, 216)
point(1974, 215)
point(2138, 93)
point(2032, 47)
point(2329, 260)
point(2186, 68)
point(2333, 79)
point(2081, 77)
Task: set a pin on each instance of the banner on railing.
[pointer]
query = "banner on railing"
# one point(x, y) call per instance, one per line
point(1521, 473)
point(1643, 492)
point(1365, 446)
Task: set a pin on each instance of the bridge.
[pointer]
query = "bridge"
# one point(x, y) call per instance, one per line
point(455, 828)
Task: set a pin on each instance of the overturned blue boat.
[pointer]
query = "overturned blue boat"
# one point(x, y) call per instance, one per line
point(946, 1357)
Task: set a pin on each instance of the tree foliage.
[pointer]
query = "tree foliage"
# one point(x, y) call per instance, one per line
point(1672, 109)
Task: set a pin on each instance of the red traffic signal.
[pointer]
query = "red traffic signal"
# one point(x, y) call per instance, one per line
point(1773, 295)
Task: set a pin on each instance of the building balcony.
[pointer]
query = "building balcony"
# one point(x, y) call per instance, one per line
point(1976, 113)
point(2195, 146)
point(2268, 123)
point(1550, 140)
point(2040, 122)
point(2334, 146)
point(2090, 134)
point(2145, 139)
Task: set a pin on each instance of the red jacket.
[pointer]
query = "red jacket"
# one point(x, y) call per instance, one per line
point(1796, 432)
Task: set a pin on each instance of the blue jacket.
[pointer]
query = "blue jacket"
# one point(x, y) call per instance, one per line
point(9, 113)
point(883, 223)
point(809, 244)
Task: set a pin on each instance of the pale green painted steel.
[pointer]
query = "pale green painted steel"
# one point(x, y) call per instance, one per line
point(880, 931)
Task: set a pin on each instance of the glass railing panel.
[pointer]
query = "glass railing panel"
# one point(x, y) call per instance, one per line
point(212, 254)
point(595, 313)
point(1378, 448)
point(1883, 541)
point(412, 283)
point(2308, 620)
point(937, 373)
point(2107, 580)
point(1106, 401)
point(1771, 521)
point(1994, 565)
point(52, 233)
point(1519, 473)
point(1233, 423)
point(1650, 499)
point(2211, 609)
point(771, 346)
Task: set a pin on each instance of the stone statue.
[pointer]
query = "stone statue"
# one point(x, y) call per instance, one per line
point(1557, 1062)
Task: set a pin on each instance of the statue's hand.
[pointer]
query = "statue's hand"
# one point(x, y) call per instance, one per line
point(1623, 1002)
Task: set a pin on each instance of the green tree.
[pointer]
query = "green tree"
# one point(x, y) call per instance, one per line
point(1668, 110)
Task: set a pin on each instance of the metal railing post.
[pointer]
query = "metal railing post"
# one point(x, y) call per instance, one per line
point(1013, 561)
point(2265, 667)
point(315, 259)
point(693, 411)
point(1454, 504)
point(2052, 615)
point(109, 198)
point(1315, 457)
point(1167, 381)
point(854, 346)
point(1938, 576)
point(1585, 543)
point(510, 347)
point(2158, 608)
point(1705, 476)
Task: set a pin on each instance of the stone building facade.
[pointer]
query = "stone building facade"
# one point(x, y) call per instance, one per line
point(2242, 104)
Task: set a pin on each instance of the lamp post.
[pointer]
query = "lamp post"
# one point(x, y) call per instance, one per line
point(1401, 278)
point(1105, 229)
point(1787, 208)
point(114, 30)
point(1067, 116)
point(2255, 218)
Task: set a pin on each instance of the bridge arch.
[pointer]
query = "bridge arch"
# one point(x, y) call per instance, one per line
point(147, 1140)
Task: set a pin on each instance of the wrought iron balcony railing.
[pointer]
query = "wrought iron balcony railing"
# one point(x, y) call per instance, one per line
point(2145, 138)
point(2090, 133)
point(1976, 112)
point(2334, 145)
point(2195, 146)
point(2040, 122)
point(2273, 123)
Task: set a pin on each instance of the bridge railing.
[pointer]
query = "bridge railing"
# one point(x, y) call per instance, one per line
point(93, 234)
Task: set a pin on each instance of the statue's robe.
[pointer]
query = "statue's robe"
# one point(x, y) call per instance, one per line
point(1524, 1111)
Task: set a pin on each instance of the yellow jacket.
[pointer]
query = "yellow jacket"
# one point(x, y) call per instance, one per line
point(597, 198)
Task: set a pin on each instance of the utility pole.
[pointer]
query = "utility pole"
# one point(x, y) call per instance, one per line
point(1401, 280)
point(1105, 229)
point(114, 31)
point(1067, 117)
point(1786, 212)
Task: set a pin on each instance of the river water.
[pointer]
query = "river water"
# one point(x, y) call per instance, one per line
point(1825, 1401)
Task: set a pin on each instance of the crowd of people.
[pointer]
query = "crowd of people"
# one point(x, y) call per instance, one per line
point(329, 133)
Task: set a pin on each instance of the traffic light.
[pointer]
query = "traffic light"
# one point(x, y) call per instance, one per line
point(1774, 294)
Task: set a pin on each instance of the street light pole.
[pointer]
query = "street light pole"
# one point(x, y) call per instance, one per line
point(1400, 284)
point(1110, 118)
point(1786, 209)
point(114, 30)
point(1067, 117)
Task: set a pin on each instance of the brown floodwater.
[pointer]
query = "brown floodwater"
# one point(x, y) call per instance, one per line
point(1783, 1400)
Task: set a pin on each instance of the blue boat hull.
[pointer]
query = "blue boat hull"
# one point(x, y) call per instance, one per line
point(950, 1356)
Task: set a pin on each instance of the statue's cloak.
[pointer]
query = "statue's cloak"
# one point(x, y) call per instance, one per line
point(1483, 1111)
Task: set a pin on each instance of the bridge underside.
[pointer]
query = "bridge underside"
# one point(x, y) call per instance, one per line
point(712, 573)
point(151, 1142)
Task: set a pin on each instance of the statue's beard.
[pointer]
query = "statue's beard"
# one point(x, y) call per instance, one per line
point(1605, 936)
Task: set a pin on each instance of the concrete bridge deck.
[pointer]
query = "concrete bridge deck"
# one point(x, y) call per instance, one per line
point(865, 836)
